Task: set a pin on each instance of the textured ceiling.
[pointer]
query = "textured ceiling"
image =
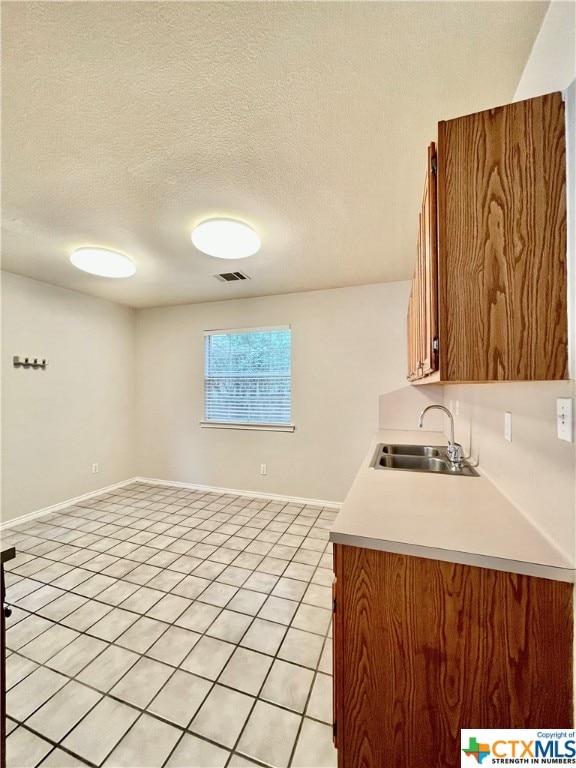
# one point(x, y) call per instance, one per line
point(126, 123)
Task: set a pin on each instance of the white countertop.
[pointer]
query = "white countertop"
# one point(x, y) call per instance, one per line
point(457, 519)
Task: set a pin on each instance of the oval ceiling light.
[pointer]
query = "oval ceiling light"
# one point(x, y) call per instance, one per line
point(103, 262)
point(226, 239)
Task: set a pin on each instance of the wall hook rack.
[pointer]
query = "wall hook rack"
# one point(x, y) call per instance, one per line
point(29, 362)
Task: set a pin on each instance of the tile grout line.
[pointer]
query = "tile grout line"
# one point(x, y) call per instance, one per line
point(185, 729)
point(246, 511)
point(141, 711)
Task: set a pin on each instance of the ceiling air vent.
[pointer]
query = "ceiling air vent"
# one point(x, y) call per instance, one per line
point(231, 277)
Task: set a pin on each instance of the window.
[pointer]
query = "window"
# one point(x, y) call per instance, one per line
point(247, 378)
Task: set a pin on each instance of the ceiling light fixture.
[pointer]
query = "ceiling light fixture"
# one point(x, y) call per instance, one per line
point(103, 262)
point(226, 239)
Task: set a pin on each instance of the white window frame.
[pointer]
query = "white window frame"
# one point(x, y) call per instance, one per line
point(254, 426)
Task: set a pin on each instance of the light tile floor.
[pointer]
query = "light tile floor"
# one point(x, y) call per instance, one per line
point(156, 626)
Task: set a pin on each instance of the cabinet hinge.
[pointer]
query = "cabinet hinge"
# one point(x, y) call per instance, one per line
point(434, 164)
point(435, 344)
point(334, 729)
point(334, 605)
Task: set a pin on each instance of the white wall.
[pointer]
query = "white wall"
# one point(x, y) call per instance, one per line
point(535, 470)
point(348, 346)
point(81, 409)
point(552, 62)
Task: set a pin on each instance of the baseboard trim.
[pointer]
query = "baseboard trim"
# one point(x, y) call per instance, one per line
point(171, 483)
point(63, 504)
point(236, 492)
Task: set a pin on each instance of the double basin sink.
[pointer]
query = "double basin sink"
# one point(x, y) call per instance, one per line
point(419, 458)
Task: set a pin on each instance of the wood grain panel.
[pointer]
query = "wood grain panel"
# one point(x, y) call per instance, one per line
point(425, 648)
point(412, 327)
point(428, 223)
point(423, 301)
point(502, 243)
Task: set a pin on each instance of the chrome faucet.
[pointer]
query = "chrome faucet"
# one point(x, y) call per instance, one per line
point(455, 450)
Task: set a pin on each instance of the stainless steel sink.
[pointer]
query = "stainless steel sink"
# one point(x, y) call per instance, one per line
point(419, 458)
point(410, 450)
point(422, 463)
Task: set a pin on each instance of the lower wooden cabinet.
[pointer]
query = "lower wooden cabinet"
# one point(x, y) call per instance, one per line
point(423, 648)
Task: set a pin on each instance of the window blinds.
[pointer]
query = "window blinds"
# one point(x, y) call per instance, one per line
point(247, 376)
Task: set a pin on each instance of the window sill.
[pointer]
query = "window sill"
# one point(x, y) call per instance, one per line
point(253, 427)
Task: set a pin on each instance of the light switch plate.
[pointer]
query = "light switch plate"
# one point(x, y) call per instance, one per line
point(564, 419)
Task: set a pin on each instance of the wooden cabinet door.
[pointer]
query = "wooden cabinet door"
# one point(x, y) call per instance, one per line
point(429, 268)
point(415, 326)
point(502, 243)
point(412, 326)
point(423, 648)
point(423, 302)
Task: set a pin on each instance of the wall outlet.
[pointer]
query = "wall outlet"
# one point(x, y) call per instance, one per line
point(564, 419)
point(263, 469)
point(95, 468)
point(508, 426)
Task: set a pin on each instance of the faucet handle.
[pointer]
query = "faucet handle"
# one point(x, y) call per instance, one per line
point(455, 453)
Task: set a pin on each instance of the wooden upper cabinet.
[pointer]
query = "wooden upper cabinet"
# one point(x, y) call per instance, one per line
point(502, 243)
